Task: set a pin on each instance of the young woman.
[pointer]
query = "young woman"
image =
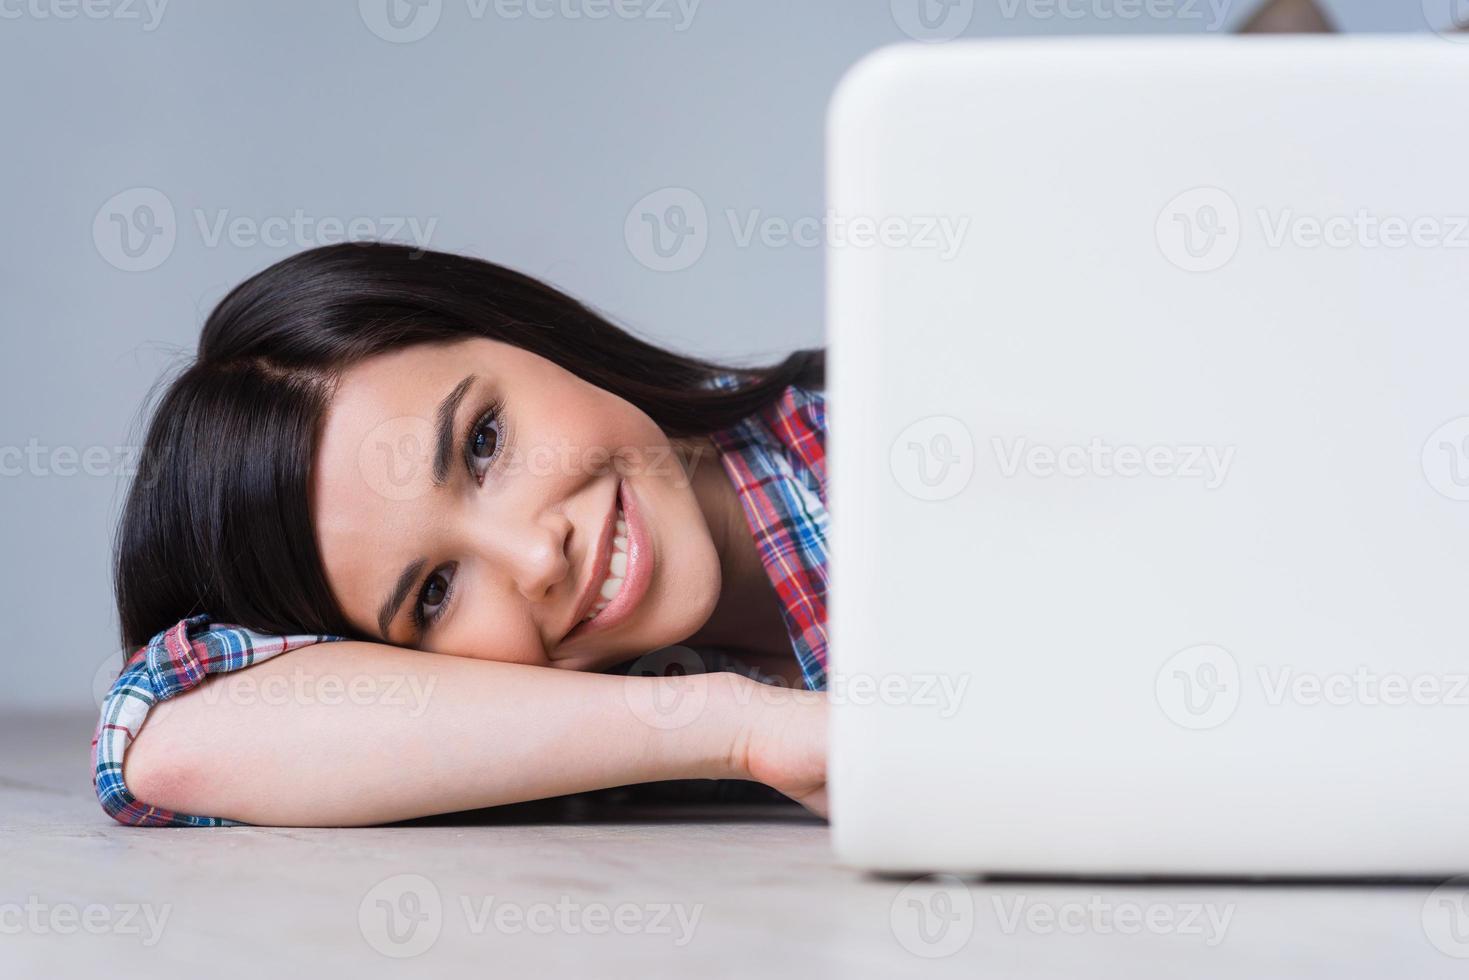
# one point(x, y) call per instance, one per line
point(487, 498)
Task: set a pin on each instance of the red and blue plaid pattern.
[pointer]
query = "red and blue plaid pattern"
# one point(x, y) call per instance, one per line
point(777, 460)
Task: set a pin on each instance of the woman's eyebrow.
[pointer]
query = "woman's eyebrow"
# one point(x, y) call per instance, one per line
point(395, 598)
point(444, 442)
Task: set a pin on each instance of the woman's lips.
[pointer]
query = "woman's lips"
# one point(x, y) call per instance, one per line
point(634, 581)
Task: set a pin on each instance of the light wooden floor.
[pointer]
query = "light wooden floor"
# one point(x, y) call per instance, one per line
point(755, 896)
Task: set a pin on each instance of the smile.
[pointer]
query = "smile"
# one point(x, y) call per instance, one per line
point(616, 567)
point(624, 567)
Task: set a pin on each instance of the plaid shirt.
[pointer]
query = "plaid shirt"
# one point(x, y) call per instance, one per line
point(777, 461)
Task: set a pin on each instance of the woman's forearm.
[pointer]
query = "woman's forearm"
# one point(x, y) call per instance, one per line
point(355, 733)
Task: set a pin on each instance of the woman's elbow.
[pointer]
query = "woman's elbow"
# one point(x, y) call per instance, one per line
point(158, 772)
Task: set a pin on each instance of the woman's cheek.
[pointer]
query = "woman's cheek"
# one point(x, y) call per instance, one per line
point(481, 641)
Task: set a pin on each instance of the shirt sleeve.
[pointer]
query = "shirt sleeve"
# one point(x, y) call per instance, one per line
point(178, 659)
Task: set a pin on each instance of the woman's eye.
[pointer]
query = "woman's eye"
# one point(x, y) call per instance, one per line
point(482, 446)
point(435, 590)
point(483, 442)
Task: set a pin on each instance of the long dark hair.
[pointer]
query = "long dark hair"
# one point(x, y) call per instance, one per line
point(218, 520)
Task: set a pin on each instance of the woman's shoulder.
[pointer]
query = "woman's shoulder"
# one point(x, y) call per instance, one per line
point(787, 435)
point(798, 411)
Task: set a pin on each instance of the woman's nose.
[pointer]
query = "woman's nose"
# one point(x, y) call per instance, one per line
point(536, 556)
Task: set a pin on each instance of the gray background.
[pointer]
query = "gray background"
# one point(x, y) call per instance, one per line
point(525, 140)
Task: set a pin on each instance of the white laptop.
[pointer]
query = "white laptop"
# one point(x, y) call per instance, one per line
point(1149, 396)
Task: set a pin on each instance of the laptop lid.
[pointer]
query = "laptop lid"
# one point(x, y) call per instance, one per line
point(1149, 382)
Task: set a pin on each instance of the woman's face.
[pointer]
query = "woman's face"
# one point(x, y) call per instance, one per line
point(466, 500)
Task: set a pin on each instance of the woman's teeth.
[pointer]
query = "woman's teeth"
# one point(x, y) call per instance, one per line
point(617, 568)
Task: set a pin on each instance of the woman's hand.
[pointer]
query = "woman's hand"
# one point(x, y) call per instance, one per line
point(782, 741)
